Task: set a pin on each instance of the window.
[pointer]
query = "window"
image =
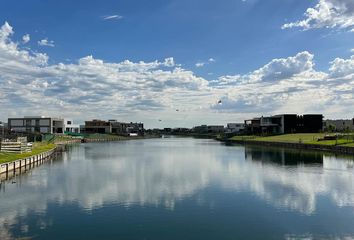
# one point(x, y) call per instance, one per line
point(68, 122)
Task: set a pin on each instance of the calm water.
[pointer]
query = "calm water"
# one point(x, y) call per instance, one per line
point(177, 188)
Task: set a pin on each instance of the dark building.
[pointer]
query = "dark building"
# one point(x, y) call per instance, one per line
point(284, 123)
point(98, 126)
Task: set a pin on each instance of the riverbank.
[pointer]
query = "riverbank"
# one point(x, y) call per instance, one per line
point(308, 141)
point(38, 148)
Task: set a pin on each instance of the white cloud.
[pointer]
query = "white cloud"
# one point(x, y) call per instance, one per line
point(26, 38)
point(169, 62)
point(342, 67)
point(112, 17)
point(5, 32)
point(327, 14)
point(46, 42)
point(142, 91)
point(199, 64)
point(211, 60)
point(352, 50)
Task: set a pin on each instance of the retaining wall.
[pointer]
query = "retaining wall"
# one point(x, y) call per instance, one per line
point(29, 161)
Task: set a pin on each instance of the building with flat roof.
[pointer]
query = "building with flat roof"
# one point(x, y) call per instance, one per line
point(98, 126)
point(41, 124)
point(285, 123)
point(234, 127)
point(36, 124)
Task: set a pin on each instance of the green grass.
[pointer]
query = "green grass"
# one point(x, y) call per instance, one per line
point(37, 148)
point(293, 138)
point(307, 138)
point(243, 138)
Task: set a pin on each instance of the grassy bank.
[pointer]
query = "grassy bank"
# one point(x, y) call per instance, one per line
point(305, 138)
point(38, 148)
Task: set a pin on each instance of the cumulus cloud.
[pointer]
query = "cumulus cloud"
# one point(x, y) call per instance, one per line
point(26, 38)
point(144, 90)
point(327, 14)
point(342, 68)
point(112, 17)
point(46, 42)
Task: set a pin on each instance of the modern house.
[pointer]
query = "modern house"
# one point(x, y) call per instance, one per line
point(36, 124)
point(98, 126)
point(234, 127)
point(284, 123)
point(70, 127)
point(339, 125)
point(41, 124)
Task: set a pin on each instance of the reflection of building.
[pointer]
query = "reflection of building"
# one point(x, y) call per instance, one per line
point(282, 156)
point(285, 123)
point(339, 125)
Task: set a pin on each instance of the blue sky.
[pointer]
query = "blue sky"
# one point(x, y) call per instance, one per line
point(209, 41)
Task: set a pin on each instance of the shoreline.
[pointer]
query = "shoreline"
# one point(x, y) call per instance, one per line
point(304, 146)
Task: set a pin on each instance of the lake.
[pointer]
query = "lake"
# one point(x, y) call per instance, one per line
point(181, 188)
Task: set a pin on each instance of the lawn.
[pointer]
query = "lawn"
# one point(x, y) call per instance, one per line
point(308, 138)
point(37, 148)
point(293, 138)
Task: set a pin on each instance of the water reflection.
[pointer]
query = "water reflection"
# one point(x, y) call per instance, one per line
point(162, 172)
point(283, 156)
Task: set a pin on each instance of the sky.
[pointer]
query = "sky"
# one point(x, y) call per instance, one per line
point(176, 63)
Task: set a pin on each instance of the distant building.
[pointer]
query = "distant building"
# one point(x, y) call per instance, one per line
point(204, 129)
point(98, 126)
point(234, 127)
point(3, 128)
point(339, 125)
point(200, 129)
point(285, 123)
point(131, 129)
point(113, 126)
point(216, 129)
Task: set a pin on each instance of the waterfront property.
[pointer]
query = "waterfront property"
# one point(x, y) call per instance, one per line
point(235, 128)
point(205, 129)
point(41, 124)
point(113, 126)
point(285, 123)
point(122, 128)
